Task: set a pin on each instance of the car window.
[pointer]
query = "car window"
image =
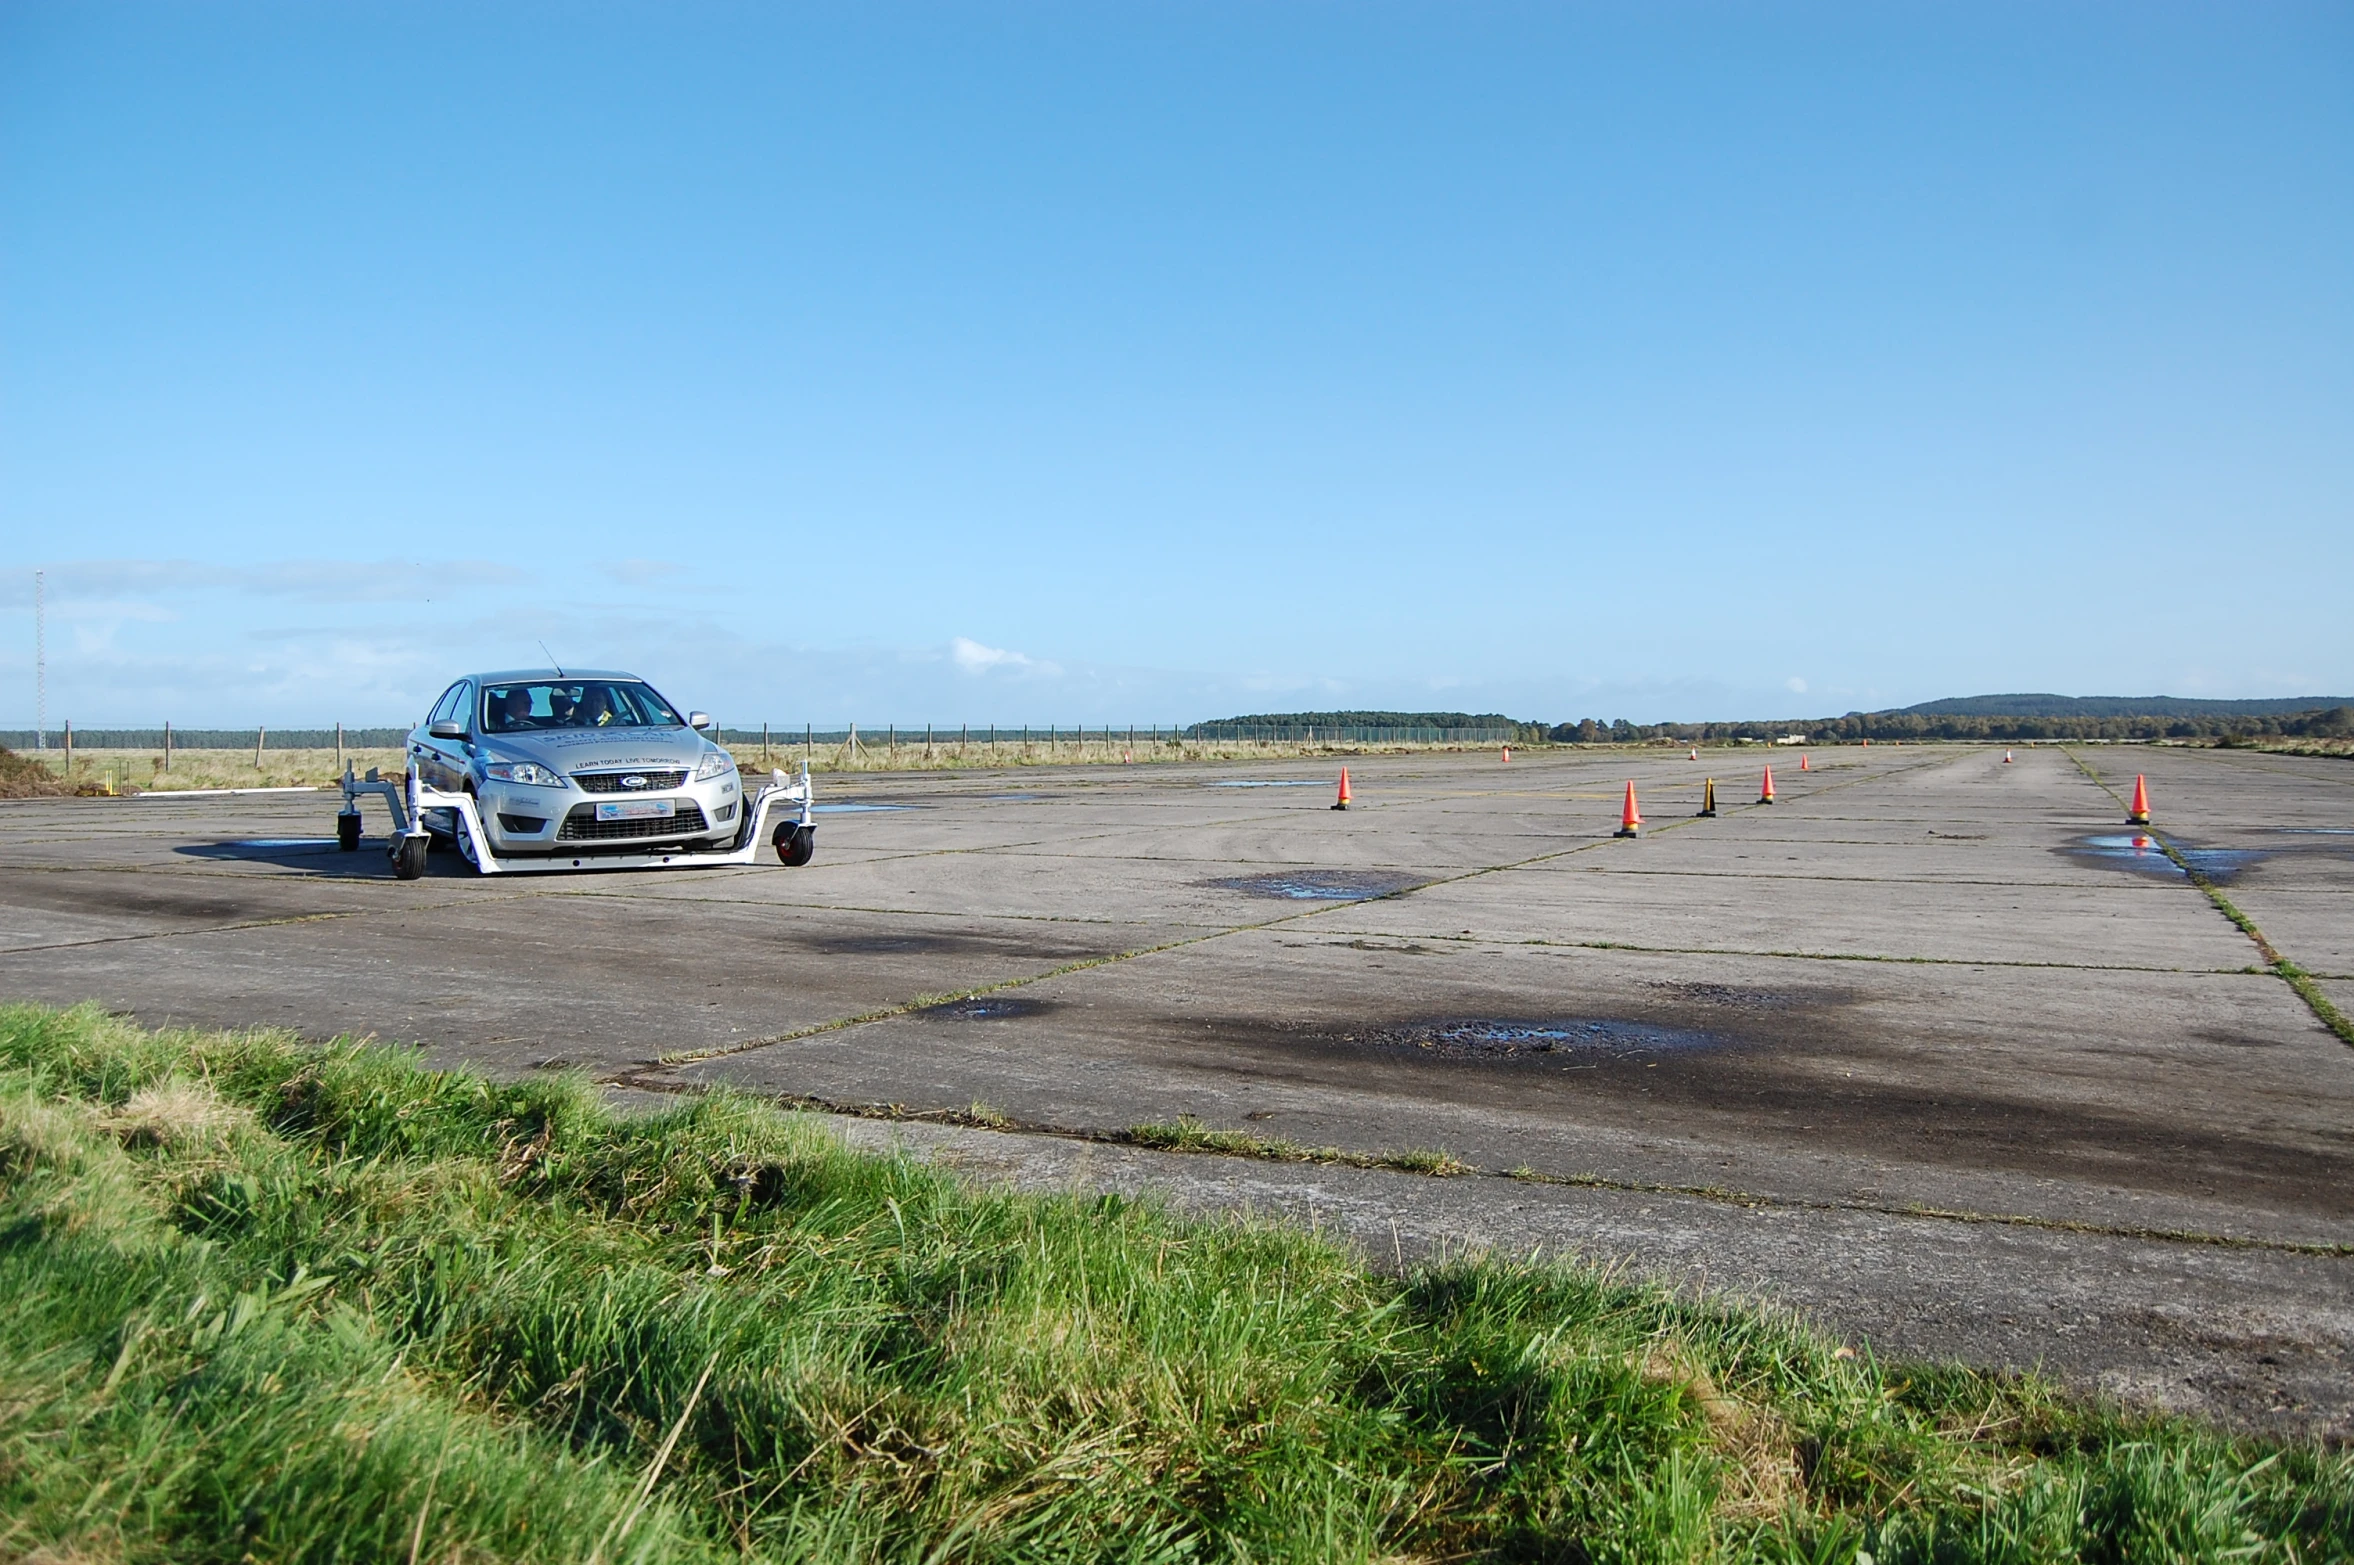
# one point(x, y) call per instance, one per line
point(448, 707)
point(573, 703)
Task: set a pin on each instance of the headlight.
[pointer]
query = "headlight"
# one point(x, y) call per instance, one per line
point(717, 764)
point(524, 772)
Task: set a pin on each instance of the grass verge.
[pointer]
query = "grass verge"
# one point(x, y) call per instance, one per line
point(279, 1303)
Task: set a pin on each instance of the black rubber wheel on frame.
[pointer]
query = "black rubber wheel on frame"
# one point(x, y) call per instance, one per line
point(795, 845)
point(347, 833)
point(408, 857)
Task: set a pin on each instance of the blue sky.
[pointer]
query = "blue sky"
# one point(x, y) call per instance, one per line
point(1146, 362)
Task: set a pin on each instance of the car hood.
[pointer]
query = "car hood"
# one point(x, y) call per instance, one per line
point(601, 749)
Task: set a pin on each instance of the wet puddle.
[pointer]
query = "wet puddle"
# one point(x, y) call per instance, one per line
point(1272, 782)
point(2140, 851)
point(860, 809)
point(985, 1008)
point(1591, 1037)
point(1319, 885)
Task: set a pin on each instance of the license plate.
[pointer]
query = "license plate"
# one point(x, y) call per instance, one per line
point(637, 810)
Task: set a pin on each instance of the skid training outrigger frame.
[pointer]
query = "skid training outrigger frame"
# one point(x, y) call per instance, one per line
point(409, 801)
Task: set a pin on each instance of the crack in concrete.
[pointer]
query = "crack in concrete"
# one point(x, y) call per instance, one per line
point(2299, 981)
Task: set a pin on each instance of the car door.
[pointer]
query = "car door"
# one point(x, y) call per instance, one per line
point(441, 763)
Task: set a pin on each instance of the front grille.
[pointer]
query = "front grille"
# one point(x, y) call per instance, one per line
point(523, 825)
point(582, 825)
point(610, 782)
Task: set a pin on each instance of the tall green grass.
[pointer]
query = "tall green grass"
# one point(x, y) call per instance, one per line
point(276, 1303)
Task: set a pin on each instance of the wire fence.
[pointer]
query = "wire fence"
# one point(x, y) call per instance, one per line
point(1345, 733)
point(888, 735)
point(22, 739)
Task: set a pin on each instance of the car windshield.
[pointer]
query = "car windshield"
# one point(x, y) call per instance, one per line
point(574, 703)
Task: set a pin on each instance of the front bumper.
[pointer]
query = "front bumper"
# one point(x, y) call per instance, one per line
point(775, 803)
point(522, 818)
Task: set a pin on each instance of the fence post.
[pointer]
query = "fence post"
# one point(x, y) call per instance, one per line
point(964, 736)
point(167, 746)
point(339, 749)
point(764, 744)
point(69, 749)
point(259, 735)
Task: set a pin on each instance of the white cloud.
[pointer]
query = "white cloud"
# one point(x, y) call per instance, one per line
point(974, 658)
point(1796, 684)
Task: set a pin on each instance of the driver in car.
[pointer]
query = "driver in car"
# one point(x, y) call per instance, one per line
point(515, 709)
point(595, 709)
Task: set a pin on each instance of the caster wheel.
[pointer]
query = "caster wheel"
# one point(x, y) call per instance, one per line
point(347, 833)
point(795, 845)
point(408, 857)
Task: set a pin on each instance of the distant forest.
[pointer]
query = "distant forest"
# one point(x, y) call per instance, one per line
point(1483, 726)
point(2124, 706)
point(1999, 717)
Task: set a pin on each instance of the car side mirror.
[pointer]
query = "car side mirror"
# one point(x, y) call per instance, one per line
point(447, 730)
point(698, 719)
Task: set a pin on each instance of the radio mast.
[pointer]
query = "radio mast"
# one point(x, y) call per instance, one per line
point(40, 661)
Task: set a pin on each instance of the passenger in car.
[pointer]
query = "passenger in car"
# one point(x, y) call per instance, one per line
point(595, 710)
point(560, 706)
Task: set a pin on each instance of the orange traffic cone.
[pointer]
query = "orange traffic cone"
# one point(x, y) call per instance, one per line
point(1630, 819)
point(1508, 755)
point(1695, 754)
point(1708, 798)
point(2140, 814)
point(1802, 766)
point(2006, 758)
point(1765, 792)
point(1343, 802)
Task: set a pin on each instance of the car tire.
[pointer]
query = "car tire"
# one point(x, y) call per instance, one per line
point(408, 857)
point(795, 845)
point(347, 833)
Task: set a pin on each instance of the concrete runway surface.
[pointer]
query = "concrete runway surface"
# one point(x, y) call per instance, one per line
point(1929, 1049)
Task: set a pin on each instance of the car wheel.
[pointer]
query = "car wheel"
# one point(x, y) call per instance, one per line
point(795, 845)
point(408, 857)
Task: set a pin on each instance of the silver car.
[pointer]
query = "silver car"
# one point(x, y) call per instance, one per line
point(576, 762)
